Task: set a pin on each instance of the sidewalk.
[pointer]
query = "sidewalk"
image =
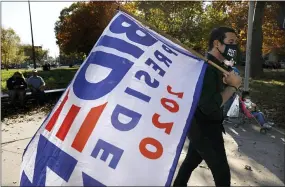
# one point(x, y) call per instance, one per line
point(16, 134)
point(244, 146)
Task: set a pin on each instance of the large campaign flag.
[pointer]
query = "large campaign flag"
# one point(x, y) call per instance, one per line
point(124, 117)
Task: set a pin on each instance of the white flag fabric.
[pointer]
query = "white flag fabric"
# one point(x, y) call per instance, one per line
point(124, 117)
point(234, 109)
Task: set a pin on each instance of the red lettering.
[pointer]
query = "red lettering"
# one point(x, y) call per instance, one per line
point(54, 118)
point(165, 103)
point(148, 154)
point(166, 126)
point(178, 94)
point(67, 122)
point(87, 127)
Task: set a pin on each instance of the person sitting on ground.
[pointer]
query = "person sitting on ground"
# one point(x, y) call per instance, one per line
point(252, 107)
point(37, 84)
point(17, 87)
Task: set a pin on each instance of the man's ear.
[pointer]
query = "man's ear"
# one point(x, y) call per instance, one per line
point(217, 43)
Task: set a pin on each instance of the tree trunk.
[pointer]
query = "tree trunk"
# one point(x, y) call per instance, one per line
point(147, 15)
point(256, 59)
point(6, 61)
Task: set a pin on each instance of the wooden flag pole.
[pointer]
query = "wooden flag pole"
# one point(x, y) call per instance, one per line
point(173, 40)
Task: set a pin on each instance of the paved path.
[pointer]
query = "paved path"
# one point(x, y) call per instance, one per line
point(244, 146)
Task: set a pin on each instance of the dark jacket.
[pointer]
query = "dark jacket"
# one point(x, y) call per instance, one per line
point(208, 117)
point(16, 83)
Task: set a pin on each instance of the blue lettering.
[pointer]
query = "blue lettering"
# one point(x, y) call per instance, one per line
point(91, 91)
point(161, 57)
point(107, 150)
point(167, 49)
point(120, 45)
point(49, 155)
point(122, 24)
point(89, 181)
point(155, 67)
point(137, 94)
point(147, 80)
point(135, 118)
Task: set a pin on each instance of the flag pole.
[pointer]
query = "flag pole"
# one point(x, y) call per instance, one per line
point(120, 8)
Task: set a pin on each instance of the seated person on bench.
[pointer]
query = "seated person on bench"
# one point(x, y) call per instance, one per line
point(17, 88)
point(252, 107)
point(37, 84)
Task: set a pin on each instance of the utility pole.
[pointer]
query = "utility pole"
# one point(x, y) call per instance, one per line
point(248, 44)
point(33, 47)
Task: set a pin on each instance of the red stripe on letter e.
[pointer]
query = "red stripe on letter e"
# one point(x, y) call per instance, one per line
point(87, 127)
point(53, 119)
point(68, 120)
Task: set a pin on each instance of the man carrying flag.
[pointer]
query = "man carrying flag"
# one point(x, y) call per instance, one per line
point(206, 139)
point(126, 110)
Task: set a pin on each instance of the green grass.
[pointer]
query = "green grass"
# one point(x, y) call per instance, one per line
point(268, 93)
point(55, 78)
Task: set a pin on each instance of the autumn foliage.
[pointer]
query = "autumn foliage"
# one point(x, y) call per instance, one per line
point(80, 25)
point(273, 36)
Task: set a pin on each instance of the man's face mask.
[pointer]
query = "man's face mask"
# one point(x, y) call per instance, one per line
point(229, 62)
point(247, 100)
point(230, 51)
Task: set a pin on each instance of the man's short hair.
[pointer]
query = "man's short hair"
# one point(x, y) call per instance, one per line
point(219, 34)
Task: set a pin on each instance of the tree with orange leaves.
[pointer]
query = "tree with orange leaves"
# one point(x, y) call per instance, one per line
point(80, 25)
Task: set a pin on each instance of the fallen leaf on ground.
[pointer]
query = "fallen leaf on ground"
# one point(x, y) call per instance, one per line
point(247, 167)
point(205, 167)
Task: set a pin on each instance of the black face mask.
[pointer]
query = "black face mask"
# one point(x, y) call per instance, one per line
point(230, 51)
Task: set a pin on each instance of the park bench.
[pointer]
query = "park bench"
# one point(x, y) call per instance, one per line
point(49, 94)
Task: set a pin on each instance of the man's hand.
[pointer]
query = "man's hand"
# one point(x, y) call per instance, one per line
point(42, 88)
point(232, 79)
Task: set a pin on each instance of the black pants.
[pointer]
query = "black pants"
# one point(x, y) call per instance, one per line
point(39, 96)
point(211, 150)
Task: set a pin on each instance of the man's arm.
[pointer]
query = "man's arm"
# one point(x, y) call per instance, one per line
point(234, 82)
point(227, 94)
point(210, 100)
point(42, 84)
point(9, 84)
point(24, 83)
